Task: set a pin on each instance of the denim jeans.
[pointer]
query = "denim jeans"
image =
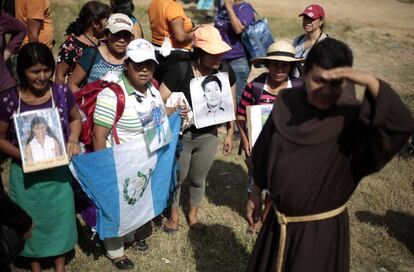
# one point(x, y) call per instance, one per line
point(241, 70)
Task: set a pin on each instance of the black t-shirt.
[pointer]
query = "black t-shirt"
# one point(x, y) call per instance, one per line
point(178, 78)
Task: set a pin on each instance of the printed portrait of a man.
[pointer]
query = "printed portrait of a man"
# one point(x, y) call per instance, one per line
point(212, 100)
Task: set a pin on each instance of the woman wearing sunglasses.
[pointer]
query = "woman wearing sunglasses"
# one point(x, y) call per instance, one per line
point(313, 23)
point(108, 58)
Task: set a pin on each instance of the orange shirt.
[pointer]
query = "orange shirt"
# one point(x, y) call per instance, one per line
point(161, 13)
point(38, 10)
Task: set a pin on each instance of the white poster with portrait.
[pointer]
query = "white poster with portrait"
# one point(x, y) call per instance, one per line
point(212, 100)
point(40, 138)
point(256, 116)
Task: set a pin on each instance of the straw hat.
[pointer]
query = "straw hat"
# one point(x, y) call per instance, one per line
point(281, 51)
point(208, 38)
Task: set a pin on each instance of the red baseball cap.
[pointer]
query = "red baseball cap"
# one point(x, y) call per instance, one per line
point(314, 12)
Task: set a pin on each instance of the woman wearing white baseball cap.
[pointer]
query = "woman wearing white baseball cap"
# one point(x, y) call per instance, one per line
point(139, 93)
point(139, 64)
point(95, 63)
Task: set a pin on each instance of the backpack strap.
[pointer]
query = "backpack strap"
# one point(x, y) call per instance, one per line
point(257, 87)
point(155, 83)
point(185, 68)
point(120, 106)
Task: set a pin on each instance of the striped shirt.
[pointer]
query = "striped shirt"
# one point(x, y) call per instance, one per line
point(129, 126)
point(257, 88)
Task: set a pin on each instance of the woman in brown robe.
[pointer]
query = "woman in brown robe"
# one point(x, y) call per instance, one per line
point(313, 151)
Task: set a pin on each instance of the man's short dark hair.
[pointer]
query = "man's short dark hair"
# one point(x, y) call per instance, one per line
point(329, 53)
point(210, 78)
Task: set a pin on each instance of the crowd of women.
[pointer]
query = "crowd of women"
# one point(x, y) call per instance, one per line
point(316, 146)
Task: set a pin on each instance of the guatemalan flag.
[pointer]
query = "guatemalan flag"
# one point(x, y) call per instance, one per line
point(128, 184)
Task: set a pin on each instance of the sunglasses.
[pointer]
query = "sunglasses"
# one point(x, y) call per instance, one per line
point(336, 82)
point(122, 34)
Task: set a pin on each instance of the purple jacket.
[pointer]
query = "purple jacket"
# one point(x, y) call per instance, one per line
point(9, 25)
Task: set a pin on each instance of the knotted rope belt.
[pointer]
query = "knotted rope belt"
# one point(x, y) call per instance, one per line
point(284, 220)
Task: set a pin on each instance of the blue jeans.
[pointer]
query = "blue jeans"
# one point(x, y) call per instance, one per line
point(241, 70)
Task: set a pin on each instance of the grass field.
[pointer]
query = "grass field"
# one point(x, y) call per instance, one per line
point(381, 210)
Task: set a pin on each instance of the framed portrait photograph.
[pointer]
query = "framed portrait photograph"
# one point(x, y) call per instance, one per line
point(157, 131)
point(40, 138)
point(256, 116)
point(212, 100)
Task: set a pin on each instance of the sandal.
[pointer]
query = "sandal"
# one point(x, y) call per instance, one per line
point(169, 230)
point(252, 231)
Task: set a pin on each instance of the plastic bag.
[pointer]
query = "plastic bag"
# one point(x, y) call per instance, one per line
point(166, 47)
point(178, 99)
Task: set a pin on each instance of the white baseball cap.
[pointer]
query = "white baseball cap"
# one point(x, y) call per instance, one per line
point(119, 22)
point(140, 50)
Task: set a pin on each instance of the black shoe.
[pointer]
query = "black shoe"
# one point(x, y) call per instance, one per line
point(407, 152)
point(4, 267)
point(123, 264)
point(141, 245)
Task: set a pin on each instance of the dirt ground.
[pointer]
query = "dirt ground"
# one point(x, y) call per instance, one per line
point(381, 34)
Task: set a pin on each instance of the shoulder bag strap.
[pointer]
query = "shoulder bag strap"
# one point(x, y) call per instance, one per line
point(256, 13)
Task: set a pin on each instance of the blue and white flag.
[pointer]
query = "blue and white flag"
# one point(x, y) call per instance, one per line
point(128, 184)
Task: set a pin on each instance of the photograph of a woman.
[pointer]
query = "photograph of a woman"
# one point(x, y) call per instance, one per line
point(42, 144)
